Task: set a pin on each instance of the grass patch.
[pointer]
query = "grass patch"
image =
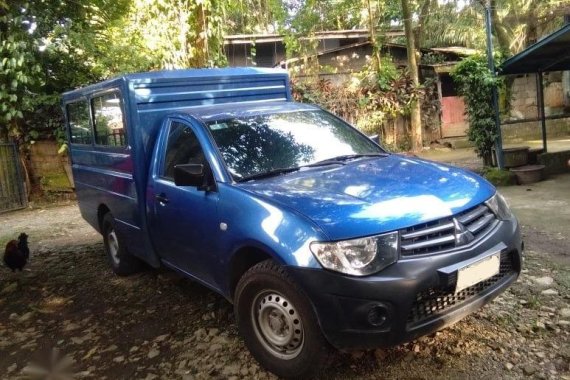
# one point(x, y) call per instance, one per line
point(499, 177)
point(55, 182)
point(4, 240)
point(533, 303)
point(562, 276)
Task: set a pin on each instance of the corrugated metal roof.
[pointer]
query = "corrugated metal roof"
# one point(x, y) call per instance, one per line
point(239, 39)
point(552, 53)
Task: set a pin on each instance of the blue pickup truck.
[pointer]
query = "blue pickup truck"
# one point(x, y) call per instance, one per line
point(319, 237)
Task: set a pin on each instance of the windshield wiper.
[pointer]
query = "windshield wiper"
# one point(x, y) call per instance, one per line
point(341, 159)
point(270, 173)
point(338, 160)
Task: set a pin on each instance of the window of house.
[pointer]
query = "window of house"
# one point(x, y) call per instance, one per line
point(78, 118)
point(108, 120)
point(182, 147)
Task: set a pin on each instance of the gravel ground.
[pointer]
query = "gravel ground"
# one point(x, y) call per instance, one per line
point(68, 314)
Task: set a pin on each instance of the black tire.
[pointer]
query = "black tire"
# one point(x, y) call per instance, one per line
point(266, 290)
point(122, 262)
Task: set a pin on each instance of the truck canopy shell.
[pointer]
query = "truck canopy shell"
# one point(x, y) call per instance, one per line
point(114, 178)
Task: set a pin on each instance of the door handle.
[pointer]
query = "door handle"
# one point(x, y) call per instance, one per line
point(161, 198)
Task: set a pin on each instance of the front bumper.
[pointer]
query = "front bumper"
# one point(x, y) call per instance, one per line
point(409, 299)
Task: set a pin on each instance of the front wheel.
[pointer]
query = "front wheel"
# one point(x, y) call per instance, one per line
point(122, 262)
point(278, 324)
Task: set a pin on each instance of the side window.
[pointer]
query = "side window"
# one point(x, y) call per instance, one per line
point(78, 118)
point(108, 120)
point(182, 147)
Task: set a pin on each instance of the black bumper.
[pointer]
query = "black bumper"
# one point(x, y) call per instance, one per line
point(409, 299)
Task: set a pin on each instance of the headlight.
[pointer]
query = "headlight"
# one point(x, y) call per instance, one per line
point(499, 206)
point(358, 257)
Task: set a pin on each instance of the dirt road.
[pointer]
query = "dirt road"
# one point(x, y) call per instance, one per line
point(67, 313)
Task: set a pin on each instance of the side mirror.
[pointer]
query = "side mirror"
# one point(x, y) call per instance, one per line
point(191, 175)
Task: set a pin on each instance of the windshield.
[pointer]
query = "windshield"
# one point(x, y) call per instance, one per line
point(251, 146)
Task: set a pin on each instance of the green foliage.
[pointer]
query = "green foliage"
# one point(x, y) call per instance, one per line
point(18, 70)
point(254, 16)
point(517, 23)
point(384, 95)
point(385, 78)
point(370, 100)
point(475, 83)
point(320, 15)
point(55, 45)
point(499, 177)
point(181, 33)
point(51, 46)
point(432, 58)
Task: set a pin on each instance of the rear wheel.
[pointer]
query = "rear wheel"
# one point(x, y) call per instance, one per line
point(122, 262)
point(278, 324)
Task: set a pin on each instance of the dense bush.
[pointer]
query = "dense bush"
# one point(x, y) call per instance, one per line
point(475, 83)
point(369, 100)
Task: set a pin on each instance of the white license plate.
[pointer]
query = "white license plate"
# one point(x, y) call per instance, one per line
point(477, 272)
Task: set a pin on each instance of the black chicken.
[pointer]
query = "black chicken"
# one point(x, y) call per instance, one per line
point(17, 253)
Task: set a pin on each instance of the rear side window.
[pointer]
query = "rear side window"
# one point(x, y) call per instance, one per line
point(78, 118)
point(182, 147)
point(108, 120)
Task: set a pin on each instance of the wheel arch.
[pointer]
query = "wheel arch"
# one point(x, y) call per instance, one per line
point(102, 210)
point(242, 260)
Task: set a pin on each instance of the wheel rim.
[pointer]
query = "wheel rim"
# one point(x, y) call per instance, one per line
point(113, 244)
point(277, 325)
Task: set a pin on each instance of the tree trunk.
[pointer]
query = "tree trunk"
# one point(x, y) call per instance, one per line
point(502, 36)
point(416, 121)
point(373, 40)
point(201, 30)
point(532, 27)
point(419, 30)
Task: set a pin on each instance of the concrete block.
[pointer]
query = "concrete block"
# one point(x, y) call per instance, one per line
point(556, 162)
point(553, 95)
point(531, 112)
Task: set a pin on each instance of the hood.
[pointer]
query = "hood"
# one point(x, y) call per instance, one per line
point(374, 195)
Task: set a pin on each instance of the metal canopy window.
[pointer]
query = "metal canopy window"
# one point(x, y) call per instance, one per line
point(549, 54)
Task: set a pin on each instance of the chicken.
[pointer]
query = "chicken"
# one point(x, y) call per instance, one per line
point(17, 253)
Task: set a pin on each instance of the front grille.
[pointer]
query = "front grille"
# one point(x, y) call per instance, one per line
point(441, 235)
point(433, 302)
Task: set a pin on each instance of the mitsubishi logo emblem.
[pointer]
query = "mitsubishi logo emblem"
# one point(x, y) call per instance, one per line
point(462, 234)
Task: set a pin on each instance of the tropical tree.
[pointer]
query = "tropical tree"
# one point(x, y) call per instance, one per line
point(181, 33)
point(254, 16)
point(415, 117)
point(516, 23)
point(18, 68)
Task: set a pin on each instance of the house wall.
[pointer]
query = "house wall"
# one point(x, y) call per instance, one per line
point(532, 130)
point(266, 54)
point(524, 103)
point(357, 57)
point(347, 60)
point(48, 167)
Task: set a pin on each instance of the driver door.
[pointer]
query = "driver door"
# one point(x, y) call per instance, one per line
point(185, 219)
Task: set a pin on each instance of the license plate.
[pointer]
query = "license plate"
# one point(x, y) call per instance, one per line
point(477, 272)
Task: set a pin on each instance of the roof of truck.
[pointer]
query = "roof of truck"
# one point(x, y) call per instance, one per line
point(148, 78)
point(245, 109)
point(198, 73)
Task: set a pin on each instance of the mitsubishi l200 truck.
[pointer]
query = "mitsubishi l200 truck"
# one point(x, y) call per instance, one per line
point(319, 237)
